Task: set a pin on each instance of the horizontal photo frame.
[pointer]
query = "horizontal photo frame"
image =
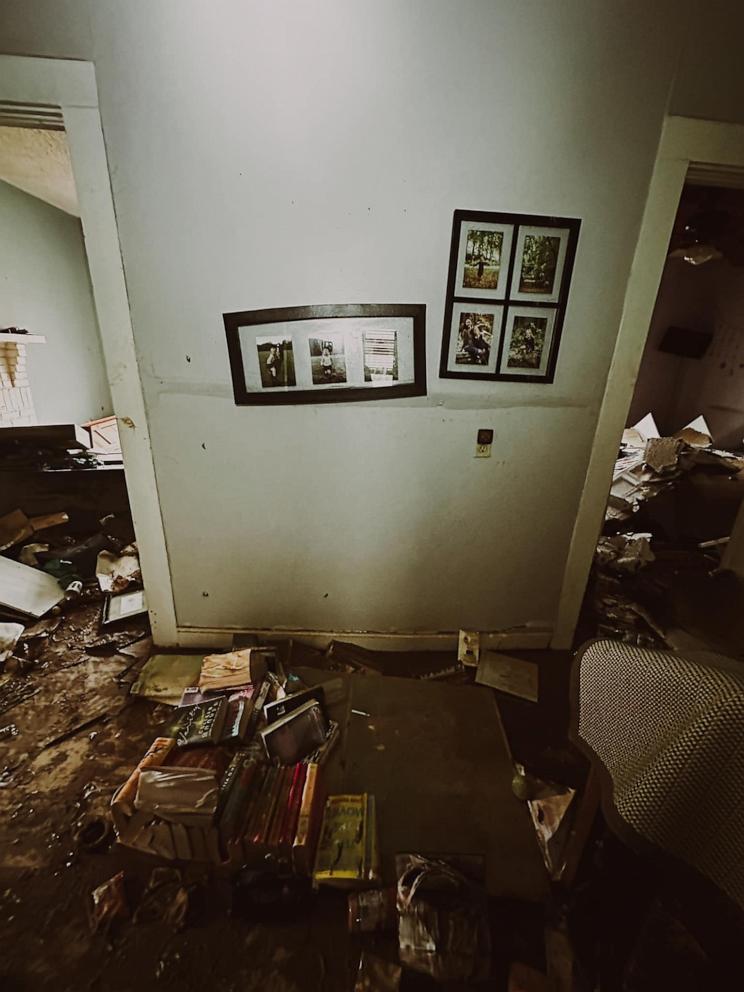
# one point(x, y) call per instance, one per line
point(326, 354)
point(502, 265)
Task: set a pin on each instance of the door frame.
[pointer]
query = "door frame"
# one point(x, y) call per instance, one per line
point(684, 142)
point(71, 85)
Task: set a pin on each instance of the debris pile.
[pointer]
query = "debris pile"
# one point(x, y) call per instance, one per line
point(80, 557)
point(668, 495)
point(649, 464)
point(61, 447)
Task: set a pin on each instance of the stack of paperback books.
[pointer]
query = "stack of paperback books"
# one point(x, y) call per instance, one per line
point(236, 779)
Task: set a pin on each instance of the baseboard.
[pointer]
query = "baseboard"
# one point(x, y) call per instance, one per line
point(515, 639)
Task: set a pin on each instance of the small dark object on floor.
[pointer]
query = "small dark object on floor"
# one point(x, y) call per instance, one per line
point(267, 897)
point(376, 975)
point(443, 928)
point(94, 834)
point(112, 643)
point(165, 899)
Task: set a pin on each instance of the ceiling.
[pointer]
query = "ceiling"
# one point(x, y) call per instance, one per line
point(38, 162)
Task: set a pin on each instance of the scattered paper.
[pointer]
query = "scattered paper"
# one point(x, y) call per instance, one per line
point(9, 634)
point(234, 668)
point(115, 573)
point(549, 818)
point(508, 674)
point(662, 453)
point(697, 433)
point(637, 435)
point(164, 677)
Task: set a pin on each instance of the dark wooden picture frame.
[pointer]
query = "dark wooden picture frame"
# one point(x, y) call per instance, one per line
point(512, 300)
point(335, 365)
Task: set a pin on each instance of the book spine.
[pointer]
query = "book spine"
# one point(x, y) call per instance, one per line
point(372, 866)
point(228, 781)
point(309, 822)
point(263, 840)
point(289, 826)
point(259, 699)
point(237, 798)
point(249, 813)
point(282, 805)
point(263, 811)
point(306, 805)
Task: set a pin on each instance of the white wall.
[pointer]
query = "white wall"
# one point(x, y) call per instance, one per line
point(710, 76)
point(45, 287)
point(272, 153)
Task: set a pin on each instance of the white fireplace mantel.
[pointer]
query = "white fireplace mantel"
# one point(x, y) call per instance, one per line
point(22, 339)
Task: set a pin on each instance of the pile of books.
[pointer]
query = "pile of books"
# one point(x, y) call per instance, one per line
point(236, 778)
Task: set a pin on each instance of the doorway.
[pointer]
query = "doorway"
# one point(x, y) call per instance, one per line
point(34, 89)
point(705, 150)
point(660, 577)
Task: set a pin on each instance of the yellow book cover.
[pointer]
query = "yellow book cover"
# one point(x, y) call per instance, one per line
point(341, 857)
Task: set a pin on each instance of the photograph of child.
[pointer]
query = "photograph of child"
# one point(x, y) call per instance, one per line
point(327, 360)
point(474, 339)
point(276, 362)
point(527, 342)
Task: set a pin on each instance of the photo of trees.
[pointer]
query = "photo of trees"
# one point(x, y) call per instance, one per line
point(539, 263)
point(482, 259)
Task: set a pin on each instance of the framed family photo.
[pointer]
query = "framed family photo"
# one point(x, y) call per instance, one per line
point(325, 354)
point(483, 260)
point(474, 331)
point(507, 291)
point(528, 339)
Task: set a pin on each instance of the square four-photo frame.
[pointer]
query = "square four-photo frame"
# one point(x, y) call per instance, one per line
point(507, 291)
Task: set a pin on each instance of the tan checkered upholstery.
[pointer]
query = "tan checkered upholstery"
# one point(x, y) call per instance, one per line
point(669, 730)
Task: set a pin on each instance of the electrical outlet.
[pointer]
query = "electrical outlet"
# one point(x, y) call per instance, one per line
point(483, 443)
point(468, 647)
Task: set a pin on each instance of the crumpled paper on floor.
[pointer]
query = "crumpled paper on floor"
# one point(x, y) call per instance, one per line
point(116, 572)
point(9, 634)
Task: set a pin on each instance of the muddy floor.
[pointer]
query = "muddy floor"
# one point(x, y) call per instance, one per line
point(72, 735)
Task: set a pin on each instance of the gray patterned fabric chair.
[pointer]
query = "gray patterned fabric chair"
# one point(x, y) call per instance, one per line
point(665, 732)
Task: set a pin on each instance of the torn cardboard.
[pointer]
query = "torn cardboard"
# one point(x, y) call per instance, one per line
point(16, 526)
